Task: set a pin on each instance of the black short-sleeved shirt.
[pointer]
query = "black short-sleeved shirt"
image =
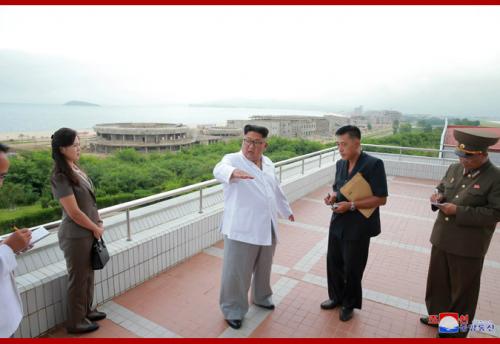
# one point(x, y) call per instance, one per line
point(352, 225)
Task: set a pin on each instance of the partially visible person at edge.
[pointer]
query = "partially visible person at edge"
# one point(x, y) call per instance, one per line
point(11, 308)
point(253, 198)
point(468, 200)
point(81, 224)
point(350, 231)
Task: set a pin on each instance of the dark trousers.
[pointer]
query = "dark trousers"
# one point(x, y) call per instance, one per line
point(80, 278)
point(345, 264)
point(453, 284)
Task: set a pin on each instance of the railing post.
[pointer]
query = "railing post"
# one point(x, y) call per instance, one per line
point(303, 165)
point(129, 230)
point(320, 160)
point(333, 155)
point(201, 201)
point(281, 173)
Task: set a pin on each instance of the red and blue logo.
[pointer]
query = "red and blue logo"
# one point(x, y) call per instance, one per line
point(449, 323)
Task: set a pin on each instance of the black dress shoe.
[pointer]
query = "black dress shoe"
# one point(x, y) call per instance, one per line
point(236, 324)
point(83, 327)
point(346, 314)
point(329, 304)
point(425, 321)
point(269, 307)
point(95, 315)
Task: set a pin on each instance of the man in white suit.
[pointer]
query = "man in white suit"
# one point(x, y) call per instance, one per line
point(253, 199)
point(11, 310)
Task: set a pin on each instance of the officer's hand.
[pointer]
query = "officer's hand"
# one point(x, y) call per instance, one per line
point(342, 207)
point(291, 218)
point(18, 240)
point(436, 198)
point(239, 174)
point(448, 208)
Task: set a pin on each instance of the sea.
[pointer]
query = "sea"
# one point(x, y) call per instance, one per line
point(43, 117)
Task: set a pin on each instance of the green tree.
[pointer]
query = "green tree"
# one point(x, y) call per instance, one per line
point(405, 128)
point(14, 195)
point(427, 128)
point(395, 126)
point(465, 121)
point(32, 169)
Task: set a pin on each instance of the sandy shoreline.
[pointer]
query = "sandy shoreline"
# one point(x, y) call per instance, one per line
point(37, 135)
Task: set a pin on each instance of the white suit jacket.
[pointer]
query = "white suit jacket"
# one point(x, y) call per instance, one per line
point(251, 205)
point(11, 309)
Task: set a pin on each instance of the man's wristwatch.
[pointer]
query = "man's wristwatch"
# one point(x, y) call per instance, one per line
point(353, 207)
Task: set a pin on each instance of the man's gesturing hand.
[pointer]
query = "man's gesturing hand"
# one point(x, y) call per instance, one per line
point(239, 174)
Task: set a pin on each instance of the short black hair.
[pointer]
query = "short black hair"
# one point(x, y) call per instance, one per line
point(4, 148)
point(351, 130)
point(256, 128)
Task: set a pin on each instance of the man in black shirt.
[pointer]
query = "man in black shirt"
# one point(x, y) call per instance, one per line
point(350, 231)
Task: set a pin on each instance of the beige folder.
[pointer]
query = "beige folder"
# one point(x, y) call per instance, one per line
point(358, 188)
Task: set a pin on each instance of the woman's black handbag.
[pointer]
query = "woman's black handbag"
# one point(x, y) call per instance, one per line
point(99, 255)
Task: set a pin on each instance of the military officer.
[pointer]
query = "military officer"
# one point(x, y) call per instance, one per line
point(468, 200)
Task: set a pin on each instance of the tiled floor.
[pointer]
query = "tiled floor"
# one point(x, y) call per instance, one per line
point(183, 302)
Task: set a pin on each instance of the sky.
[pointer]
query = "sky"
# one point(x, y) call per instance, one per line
point(427, 59)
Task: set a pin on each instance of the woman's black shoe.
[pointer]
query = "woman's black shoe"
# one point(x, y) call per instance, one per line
point(236, 324)
point(95, 315)
point(83, 327)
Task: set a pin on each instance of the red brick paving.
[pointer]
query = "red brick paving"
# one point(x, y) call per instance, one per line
point(299, 315)
point(294, 244)
point(185, 298)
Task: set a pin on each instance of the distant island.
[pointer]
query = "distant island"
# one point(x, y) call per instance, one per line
point(79, 103)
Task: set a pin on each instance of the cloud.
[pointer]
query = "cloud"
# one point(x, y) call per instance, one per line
point(417, 59)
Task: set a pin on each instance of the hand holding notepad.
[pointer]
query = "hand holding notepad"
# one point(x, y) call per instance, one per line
point(23, 245)
point(38, 234)
point(356, 189)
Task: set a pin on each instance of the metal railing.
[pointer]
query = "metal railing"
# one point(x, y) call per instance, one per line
point(302, 159)
point(199, 187)
point(128, 206)
point(406, 149)
point(401, 149)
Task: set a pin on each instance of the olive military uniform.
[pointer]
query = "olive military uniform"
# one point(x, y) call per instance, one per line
point(460, 242)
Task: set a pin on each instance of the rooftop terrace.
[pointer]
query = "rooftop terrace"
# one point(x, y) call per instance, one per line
point(165, 281)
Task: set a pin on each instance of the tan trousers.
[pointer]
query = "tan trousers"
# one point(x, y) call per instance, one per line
point(80, 278)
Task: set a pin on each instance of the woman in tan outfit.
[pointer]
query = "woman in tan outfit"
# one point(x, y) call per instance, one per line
point(80, 225)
